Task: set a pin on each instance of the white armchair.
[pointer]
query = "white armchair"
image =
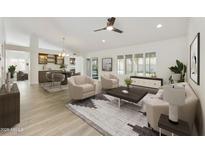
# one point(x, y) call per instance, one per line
point(154, 107)
point(109, 81)
point(81, 87)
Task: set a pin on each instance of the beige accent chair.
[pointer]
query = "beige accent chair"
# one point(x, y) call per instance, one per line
point(155, 106)
point(109, 81)
point(58, 77)
point(49, 78)
point(81, 87)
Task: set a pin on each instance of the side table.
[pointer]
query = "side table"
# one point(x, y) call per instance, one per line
point(181, 128)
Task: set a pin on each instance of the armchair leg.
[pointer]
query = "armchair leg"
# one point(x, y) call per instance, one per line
point(148, 124)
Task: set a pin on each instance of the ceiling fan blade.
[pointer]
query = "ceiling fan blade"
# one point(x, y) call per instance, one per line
point(100, 29)
point(111, 21)
point(117, 30)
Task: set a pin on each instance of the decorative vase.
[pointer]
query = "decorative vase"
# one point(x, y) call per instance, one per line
point(8, 82)
point(176, 77)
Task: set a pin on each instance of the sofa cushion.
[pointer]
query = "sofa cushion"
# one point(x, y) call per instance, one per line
point(87, 87)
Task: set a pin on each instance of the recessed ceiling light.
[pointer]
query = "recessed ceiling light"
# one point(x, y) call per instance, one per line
point(159, 26)
point(103, 41)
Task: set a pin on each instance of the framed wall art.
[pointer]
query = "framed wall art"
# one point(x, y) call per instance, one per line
point(107, 64)
point(195, 59)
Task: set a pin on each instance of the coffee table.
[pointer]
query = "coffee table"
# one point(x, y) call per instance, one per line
point(133, 96)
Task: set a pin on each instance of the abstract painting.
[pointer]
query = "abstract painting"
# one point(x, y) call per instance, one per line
point(195, 59)
point(107, 64)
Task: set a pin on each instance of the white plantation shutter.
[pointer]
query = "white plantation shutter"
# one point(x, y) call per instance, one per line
point(128, 64)
point(150, 61)
point(120, 65)
point(139, 64)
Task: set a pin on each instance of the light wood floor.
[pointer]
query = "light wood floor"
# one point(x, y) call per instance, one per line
point(44, 113)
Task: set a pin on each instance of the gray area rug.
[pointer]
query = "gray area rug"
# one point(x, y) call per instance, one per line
point(102, 113)
point(54, 88)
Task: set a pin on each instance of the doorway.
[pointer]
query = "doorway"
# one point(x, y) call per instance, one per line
point(95, 68)
point(21, 61)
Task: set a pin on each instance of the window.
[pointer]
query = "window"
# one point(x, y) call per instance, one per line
point(129, 64)
point(150, 59)
point(120, 65)
point(139, 63)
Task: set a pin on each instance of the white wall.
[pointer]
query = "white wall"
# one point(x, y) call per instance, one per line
point(167, 52)
point(2, 52)
point(79, 64)
point(198, 25)
point(1, 64)
point(34, 50)
point(1, 57)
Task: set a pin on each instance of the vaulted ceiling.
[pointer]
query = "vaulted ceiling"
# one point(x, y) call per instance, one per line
point(80, 37)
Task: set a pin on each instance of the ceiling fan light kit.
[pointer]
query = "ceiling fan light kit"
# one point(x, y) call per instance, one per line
point(110, 28)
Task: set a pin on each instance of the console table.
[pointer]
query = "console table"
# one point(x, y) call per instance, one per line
point(9, 107)
point(147, 81)
point(181, 129)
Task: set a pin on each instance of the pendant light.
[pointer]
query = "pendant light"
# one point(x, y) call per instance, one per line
point(63, 53)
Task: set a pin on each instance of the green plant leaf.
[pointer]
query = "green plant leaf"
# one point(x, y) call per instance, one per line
point(185, 69)
point(174, 69)
point(180, 66)
point(128, 81)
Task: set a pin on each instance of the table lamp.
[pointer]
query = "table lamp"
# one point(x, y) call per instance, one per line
point(175, 96)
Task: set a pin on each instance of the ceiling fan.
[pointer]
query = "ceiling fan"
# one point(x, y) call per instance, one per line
point(110, 27)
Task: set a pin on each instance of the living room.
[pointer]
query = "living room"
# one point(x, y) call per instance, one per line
point(68, 72)
point(147, 63)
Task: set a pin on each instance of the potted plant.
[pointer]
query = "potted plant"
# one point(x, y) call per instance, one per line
point(128, 82)
point(179, 72)
point(12, 69)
